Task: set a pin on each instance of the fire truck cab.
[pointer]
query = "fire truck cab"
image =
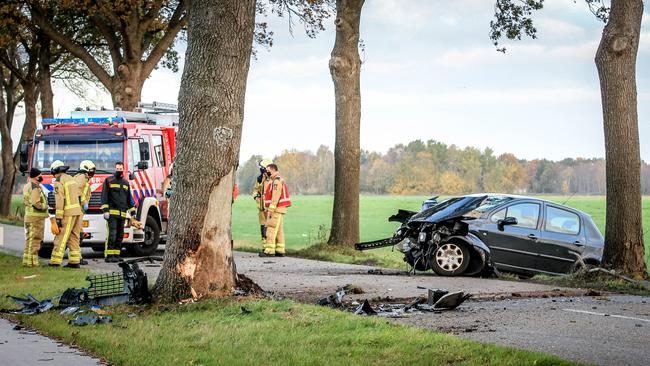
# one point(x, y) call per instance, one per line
point(143, 141)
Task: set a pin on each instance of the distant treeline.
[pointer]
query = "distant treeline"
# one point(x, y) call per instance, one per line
point(433, 167)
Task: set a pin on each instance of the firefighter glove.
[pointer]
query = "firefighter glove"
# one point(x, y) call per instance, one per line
point(106, 215)
point(54, 226)
point(85, 207)
point(135, 223)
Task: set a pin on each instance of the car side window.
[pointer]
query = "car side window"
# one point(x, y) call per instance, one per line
point(499, 215)
point(561, 221)
point(527, 214)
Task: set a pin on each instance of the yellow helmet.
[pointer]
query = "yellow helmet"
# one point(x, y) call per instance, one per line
point(58, 167)
point(87, 165)
point(265, 162)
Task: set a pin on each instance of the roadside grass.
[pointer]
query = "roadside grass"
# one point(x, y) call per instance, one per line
point(220, 332)
point(595, 281)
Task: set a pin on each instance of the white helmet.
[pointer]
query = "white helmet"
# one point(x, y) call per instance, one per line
point(58, 167)
point(87, 165)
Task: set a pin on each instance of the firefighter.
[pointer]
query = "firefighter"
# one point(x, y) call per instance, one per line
point(35, 215)
point(276, 201)
point(116, 204)
point(86, 171)
point(258, 194)
point(67, 196)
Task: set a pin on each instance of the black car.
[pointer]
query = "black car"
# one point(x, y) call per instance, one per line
point(474, 234)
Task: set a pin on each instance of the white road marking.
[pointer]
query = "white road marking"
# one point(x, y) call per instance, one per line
point(608, 315)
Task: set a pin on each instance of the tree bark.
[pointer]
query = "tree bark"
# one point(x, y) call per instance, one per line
point(198, 261)
point(127, 85)
point(616, 64)
point(45, 78)
point(7, 110)
point(345, 68)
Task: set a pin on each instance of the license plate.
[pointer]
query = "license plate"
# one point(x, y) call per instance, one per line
point(85, 223)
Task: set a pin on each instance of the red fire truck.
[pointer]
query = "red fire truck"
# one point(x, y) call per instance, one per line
point(144, 141)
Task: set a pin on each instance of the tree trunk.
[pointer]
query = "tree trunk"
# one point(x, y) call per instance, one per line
point(616, 63)
point(7, 109)
point(198, 260)
point(45, 78)
point(345, 68)
point(127, 86)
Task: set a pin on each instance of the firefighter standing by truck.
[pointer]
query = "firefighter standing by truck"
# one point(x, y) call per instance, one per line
point(258, 194)
point(86, 171)
point(35, 215)
point(276, 201)
point(68, 213)
point(116, 204)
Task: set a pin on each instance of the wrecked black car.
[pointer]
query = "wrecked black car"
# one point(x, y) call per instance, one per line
point(477, 233)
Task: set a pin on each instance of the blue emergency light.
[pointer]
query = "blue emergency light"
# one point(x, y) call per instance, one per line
point(82, 121)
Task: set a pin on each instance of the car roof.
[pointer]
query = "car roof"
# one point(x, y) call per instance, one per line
point(519, 197)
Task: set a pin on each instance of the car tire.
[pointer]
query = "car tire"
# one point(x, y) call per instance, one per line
point(45, 252)
point(450, 259)
point(151, 239)
point(420, 265)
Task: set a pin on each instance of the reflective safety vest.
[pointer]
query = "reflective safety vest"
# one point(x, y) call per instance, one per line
point(67, 196)
point(35, 203)
point(275, 197)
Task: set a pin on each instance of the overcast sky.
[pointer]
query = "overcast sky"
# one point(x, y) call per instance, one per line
point(431, 72)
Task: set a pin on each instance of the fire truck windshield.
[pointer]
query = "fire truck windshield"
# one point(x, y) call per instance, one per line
point(103, 153)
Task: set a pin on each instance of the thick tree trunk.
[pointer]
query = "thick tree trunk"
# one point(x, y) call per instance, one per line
point(345, 68)
point(45, 78)
point(127, 86)
point(616, 63)
point(198, 260)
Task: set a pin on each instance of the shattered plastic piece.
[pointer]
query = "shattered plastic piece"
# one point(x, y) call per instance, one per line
point(73, 297)
point(132, 315)
point(435, 294)
point(239, 292)
point(98, 310)
point(31, 305)
point(452, 300)
point(334, 300)
point(69, 310)
point(18, 327)
point(82, 320)
point(365, 309)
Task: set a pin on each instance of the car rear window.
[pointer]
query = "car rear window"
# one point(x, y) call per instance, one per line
point(561, 221)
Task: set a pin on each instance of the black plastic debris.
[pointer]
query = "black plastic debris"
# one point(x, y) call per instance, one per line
point(81, 320)
point(365, 309)
point(73, 297)
point(447, 300)
point(31, 305)
point(333, 300)
point(69, 310)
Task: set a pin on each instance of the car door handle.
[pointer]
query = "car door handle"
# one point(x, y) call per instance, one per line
point(533, 237)
point(578, 243)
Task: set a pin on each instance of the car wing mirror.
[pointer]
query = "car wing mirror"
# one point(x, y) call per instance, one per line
point(142, 165)
point(144, 151)
point(131, 176)
point(24, 157)
point(506, 221)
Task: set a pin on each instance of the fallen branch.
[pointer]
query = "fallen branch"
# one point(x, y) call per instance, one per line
point(614, 274)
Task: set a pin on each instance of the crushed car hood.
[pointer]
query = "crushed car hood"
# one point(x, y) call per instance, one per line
point(450, 209)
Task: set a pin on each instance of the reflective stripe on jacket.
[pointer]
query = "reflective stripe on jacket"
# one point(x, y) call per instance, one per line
point(116, 197)
point(67, 196)
point(277, 195)
point(35, 202)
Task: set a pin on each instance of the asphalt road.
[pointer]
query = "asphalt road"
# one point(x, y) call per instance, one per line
point(604, 330)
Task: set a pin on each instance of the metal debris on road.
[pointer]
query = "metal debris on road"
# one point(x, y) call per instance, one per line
point(81, 320)
point(31, 305)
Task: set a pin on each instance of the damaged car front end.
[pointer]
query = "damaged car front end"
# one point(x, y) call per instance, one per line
point(439, 238)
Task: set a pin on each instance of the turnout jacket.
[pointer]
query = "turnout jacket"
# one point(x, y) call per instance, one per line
point(67, 196)
point(116, 197)
point(84, 186)
point(35, 203)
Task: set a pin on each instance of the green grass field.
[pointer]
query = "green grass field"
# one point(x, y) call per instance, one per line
point(219, 332)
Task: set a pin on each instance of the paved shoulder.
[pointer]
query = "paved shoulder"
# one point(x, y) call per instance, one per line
point(20, 347)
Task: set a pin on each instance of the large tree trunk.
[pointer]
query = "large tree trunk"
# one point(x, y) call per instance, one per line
point(45, 78)
point(7, 109)
point(127, 86)
point(345, 68)
point(616, 63)
point(198, 260)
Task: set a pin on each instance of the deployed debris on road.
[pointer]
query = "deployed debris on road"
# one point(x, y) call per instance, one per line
point(333, 300)
point(31, 305)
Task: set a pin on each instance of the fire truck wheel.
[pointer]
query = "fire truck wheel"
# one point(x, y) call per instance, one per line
point(151, 239)
point(45, 252)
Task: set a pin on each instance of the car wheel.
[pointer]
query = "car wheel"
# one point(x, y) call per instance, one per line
point(45, 252)
point(450, 259)
point(416, 259)
point(151, 239)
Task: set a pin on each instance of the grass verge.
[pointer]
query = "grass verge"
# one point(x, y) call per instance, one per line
point(596, 281)
point(219, 332)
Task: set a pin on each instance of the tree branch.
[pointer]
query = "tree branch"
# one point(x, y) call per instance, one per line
point(109, 33)
point(71, 46)
point(176, 23)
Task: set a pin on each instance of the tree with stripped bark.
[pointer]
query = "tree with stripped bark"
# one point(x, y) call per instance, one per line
point(616, 64)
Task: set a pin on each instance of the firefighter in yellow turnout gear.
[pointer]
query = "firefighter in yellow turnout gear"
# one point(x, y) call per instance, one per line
point(86, 171)
point(68, 213)
point(35, 215)
point(276, 201)
point(259, 188)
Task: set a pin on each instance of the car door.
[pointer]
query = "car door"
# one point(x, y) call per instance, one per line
point(514, 247)
point(562, 240)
